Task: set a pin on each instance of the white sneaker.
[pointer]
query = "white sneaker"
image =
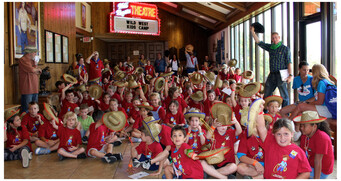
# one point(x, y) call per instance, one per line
point(25, 158)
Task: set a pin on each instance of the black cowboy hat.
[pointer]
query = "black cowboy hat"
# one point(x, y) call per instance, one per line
point(258, 27)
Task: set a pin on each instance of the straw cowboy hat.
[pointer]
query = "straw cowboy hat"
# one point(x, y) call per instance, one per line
point(243, 116)
point(252, 115)
point(144, 88)
point(166, 74)
point(232, 63)
point(148, 77)
point(249, 89)
point(115, 120)
point(49, 112)
point(279, 99)
point(146, 106)
point(11, 112)
point(95, 79)
point(95, 91)
point(197, 96)
point(132, 84)
point(262, 88)
point(70, 78)
point(223, 113)
point(248, 74)
point(223, 67)
point(139, 70)
point(196, 78)
point(210, 76)
point(119, 75)
point(159, 83)
point(238, 87)
point(194, 113)
point(149, 123)
point(268, 118)
point(132, 77)
point(214, 156)
point(81, 88)
point(206, 147)
point(189, 48)
point(121, 83)
point(309, 117)
point(116, 68)
point(218, 83)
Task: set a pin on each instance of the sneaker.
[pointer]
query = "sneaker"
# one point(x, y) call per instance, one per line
point(231, 176)
point(109, 159)
point(85, 140)
point(136, 162)
point(30, 155)
point(61, 157)
point(25, 158)
point(117, 143)
point(42, 151)
point(81, 156)
point(146, 164)
point(118, 156)
point(247, 177)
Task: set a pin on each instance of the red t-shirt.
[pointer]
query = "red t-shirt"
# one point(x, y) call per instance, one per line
point(138, 122)
point(189, 168)
point(95, 69)
point(103, 106)
point(15, 137)
point(83, 71)
point(199, 106)
point(207, 107)
point(165, 135)
point(237, 113)
point(237, 77)
point(283, 162)
point(149, 70)
point(178, 118)
point(181, 101)
point(226, 140)
point(88, 102)
point(118, 97)
point(32, 124)
point(68, 137)
point(252, 147)
point(217, 91)
point(319, 143)
point(150, 151)
point(47, 131)
point(66, 107)
point(194, 140)
point(97, 136)
point(223, 76)
point(128, 107)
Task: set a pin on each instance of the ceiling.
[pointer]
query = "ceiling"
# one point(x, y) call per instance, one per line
point(209, 15)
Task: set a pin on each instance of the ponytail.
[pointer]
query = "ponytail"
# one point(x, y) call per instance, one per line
point(324, 126)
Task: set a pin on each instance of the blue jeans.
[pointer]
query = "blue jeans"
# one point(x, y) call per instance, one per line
point(274, 80)
point(323, 176)
point(27, 98)
point(190, 70)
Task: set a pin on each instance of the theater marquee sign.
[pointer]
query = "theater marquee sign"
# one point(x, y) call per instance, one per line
point(135, 18)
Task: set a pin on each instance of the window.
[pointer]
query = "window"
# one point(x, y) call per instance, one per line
point(267, 39)
point(232, 43)
point(247, 44)
point(241, 47)
point(311, 8)
point(313, 44)
point(278, 20)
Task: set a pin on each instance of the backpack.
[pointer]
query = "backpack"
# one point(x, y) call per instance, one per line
point(330, 98)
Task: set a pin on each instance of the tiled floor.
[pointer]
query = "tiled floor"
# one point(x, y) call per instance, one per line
point(49, 167)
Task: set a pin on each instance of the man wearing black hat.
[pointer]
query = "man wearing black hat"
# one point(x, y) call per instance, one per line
point(28, 77)
point(280, 59)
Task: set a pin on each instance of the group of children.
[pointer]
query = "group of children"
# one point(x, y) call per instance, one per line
point(173, 124)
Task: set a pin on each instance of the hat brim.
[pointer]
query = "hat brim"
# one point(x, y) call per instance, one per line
point(132, 84)
point(196, 97)
point(196, 81)
point(279, 99)
point(149, 124)
point(207, 154)
point(49, 114)
point(116, 115)
point(227, 110)
point(157, 82)
point(150, 108)
point(92, 89)
point(232, 63)
point(95, 79)
point(70, 79)
point(249, 77)
point(166, 74)
point(194, 114)
point(297, 119)
point(218, 83)
point(13, 113)
point(252, 115)
point(248, 93)
point(268, 118)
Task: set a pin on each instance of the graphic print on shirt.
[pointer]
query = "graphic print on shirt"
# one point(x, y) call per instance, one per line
point(305, 91)
point(259, 155)
point(17, 139)
point(177, 163)
point(69, 141)
point(172, 120)
point(102, 138)
point(281, 167)
point(54, 135)
point(227, 137)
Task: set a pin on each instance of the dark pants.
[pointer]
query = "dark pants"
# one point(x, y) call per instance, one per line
point(16, 155)
point(152, 167)
point(26, 99)
point(190, 70)
point(274, 80)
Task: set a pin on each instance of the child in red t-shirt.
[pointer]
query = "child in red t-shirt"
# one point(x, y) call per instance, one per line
point(243, 103)
point(86, 99)
point(158, 111)
point(174, 94)
point(272, 104)
point(224, 136)
point(68, 102)
point(48, 139)
point(147, 149)
point(283, 158)
point(185, 162)
point(195, 135)
point(33, 120)
point(149, 69)
point(103, 104)
point(100, 139)
point(174, 117)
point(127, 103)
point(18, 145)
point(70, 138)
point(145, 108)
point(208, 102)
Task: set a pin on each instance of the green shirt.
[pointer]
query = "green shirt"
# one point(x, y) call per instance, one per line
point(86, 122)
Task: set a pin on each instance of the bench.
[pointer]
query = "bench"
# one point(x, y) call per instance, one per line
point(332, 125)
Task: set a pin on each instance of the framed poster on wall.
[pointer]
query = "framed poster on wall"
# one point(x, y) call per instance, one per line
point(65, 51)
point(83, 15)
point(57, 48)
point(49, 47)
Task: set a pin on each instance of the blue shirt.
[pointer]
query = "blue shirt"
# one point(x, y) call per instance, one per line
point(160, 65)
point(322, 87)
point(279, 57)
point(308, 90)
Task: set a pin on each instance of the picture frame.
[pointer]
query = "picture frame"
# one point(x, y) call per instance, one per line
point(57, 48)
point(49, 46)
point(65, 49)
point(83, 15)
point(24, 28)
